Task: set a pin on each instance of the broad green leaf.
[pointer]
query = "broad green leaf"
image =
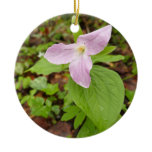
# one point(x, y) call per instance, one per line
point(107, 50)
point(39, 83)
point(106, 58)
point(71, 112)
point(44, 67)
point(76, 35)
point(51, 89)
point(103, 100)
point(79, 119)
point(88, 129)
point(130, 94)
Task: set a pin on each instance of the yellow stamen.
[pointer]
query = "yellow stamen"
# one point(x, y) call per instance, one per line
point(81, 49)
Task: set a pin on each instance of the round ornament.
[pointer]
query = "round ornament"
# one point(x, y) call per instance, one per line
point(75, 75)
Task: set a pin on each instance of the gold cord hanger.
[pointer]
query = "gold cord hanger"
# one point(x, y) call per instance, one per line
point(76, 11)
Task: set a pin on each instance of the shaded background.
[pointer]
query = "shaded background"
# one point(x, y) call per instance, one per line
point(56, 30)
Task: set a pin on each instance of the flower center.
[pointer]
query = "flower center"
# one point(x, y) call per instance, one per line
point(81, 49)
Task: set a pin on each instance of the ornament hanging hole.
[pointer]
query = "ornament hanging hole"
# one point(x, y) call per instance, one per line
point(74, 28)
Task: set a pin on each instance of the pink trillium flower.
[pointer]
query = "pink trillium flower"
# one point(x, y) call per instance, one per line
point(78, 54)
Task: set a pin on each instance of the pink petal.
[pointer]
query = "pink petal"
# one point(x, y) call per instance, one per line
point(60, 53)
point(80, 70)
point(96, 41)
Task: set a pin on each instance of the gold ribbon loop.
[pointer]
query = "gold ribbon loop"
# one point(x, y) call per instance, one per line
point(76, 11)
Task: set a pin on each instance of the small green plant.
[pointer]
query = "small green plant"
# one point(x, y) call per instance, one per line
point(90, 105)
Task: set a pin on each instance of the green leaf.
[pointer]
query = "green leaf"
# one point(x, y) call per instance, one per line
point(71, 109)
point(88, 129)
point(35, 49)
point(61, 95)
point(32, 92)
point(19, 94)
point(130, 94)
point(56, 109)
point(68, 116)
point(134, 68)
point(26, 82)
point(51, 89)
point(28, 63)
point(27, 40)
point(124, 108)
point(48, 103)
point(42, 29)
point(52, 98)
point(23, 82)
point(107, 50)
point(79, 119)
point(39, 83)
point(28, 98)
point(28, 51)
point(19, 83)
point(36, 102)
point(24, 99)
point(67, 100)
point(76, 35)
point(106, 58)
point(40, 111)
point(43, 47)
point(103, 100)
point(19, 69)
point(71, 112)
point(44, 67)
point(38, 108)
point(126, 58)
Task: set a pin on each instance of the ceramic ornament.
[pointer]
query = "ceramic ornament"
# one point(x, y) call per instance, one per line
point(75, 75)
